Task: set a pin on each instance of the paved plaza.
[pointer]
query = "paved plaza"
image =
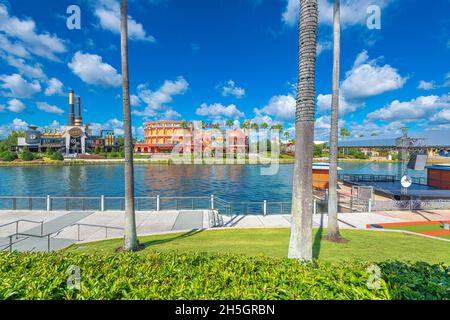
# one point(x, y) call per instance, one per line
point(65, 228)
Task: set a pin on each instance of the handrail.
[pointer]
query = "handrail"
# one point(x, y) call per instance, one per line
point(24, 220)
point(94, 226)
point(11, 243)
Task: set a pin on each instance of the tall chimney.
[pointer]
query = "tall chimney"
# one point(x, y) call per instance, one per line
point(79, 107)
point(71, 121)
point(79, 119)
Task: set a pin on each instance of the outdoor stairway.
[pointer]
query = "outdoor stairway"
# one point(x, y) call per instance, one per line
point(37, 240)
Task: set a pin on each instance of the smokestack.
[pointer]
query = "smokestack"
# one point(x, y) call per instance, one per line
point(79, 119)
point(79, 107)
point(71, 121)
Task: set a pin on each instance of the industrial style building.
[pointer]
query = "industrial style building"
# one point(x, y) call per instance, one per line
point(75, 138)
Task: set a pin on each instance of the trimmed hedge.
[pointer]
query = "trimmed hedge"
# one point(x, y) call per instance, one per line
point(202, 276)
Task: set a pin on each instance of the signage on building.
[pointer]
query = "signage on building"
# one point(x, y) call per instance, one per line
point(32, 137)
point(75, 132)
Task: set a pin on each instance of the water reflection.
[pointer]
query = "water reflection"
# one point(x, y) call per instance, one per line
point(232, 182)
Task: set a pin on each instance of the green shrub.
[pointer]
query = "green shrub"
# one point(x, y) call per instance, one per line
point(57, 156)
point(26, 155)
point(8, 156)
point(203, 276)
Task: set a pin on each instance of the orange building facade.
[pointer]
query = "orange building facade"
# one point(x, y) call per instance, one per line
point(162, 136)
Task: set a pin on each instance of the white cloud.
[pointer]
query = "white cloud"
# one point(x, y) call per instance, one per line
point(13, 48)
point(116, 125)
point(282, 108)
point(368, 128)
point(171, 114)
point(92, 70)
point(345, 107)
point(108, 13)
point(323, 46)
point(230, 89)
point(55, 87)
point(416, 109)
point(260, 119)
point(353, 12)
point(16, 106)
point(322, 127)
point(217, 111)
point(18, 87)
point(44, 106)
point(368, 79)
point(32, 72)
point(442, 117)
point(112, 124)
point(425, 85)
point(41, 44)
point(157, 101)
point(15, 125)
point(134, 100)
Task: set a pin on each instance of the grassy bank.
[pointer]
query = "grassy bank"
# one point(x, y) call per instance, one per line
point(368, 246)
point(204, 276)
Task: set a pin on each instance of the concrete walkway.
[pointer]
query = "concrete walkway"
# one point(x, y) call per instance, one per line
point(43, 238)
point(151, 222)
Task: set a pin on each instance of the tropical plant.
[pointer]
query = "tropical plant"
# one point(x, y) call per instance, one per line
point(345, 132)
point(254, 126)
point(11, 140)
point(57, 156)
point(230, 123)
point(264, 125)
point(300, 245)
point(8, 156)
point(26, 155)
point(184, 125)
point(130, 235)
point(333, 197)
point(206, 276)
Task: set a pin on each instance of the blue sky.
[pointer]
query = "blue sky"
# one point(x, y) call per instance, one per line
point(219, 59)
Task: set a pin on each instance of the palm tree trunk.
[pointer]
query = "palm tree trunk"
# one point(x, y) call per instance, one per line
point(300, 246)
point(333, 227)
point(130, 238)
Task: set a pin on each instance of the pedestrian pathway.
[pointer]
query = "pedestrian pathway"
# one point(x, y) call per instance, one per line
point(188, 220)
point(42, 239)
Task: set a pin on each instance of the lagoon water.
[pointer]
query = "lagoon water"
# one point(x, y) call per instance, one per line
point(231, 182)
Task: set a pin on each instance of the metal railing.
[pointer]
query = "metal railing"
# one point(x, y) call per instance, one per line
point(215, 219)
point(26, 236)
point(410, 205)
point(366, 177)
point(79, 225)
point(41, 223)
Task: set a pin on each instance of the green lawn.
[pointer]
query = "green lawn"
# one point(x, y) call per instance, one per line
point(368, 246)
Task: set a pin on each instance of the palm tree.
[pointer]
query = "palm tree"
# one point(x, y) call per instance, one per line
point(230, 123)
point(286, 135)
point(300, 246)
point(264, 125)
point(333, 197)
point(254, 126)
point(345, 132)
point(130, 238)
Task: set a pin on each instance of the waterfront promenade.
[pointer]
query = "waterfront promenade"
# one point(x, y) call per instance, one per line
point(66, 228)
